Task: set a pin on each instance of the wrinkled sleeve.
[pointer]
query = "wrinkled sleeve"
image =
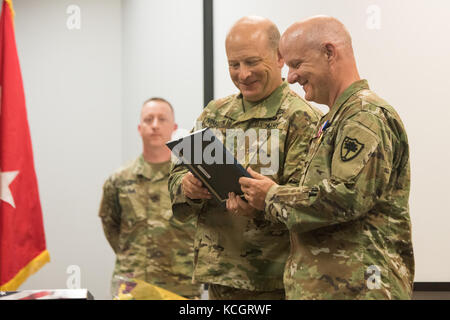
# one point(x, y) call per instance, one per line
point(110, 214)
point(360, 171)
point(303, 126)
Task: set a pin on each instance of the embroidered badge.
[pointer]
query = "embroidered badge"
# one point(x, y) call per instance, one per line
point(350, 148)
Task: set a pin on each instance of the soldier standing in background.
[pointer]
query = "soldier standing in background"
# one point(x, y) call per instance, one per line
point(349, 217)
point(239, 254)
point(149, 243)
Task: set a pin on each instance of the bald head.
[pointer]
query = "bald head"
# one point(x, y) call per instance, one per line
point(319, 30)
point(319, 54)
point(255, 28)
point(253, 59)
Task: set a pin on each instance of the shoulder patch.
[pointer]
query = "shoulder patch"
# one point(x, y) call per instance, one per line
point(350, 148)
point(355, 145)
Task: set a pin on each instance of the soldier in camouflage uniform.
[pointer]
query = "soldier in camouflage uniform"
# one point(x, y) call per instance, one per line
point(150, 244)
point(243, 257)
point(348, 218)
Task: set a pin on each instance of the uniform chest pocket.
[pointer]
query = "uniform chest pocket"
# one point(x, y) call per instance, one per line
point(329, 136)
point(163, 206)
point(134, 206)
point(321, 148)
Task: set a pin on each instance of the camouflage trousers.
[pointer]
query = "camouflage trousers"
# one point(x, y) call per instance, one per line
point(219, 292)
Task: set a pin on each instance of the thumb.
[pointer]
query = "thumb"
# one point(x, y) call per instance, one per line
point(255, 174)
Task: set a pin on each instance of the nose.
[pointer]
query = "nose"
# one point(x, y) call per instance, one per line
point(155, 123)
point(292, 76)
point(244, 73)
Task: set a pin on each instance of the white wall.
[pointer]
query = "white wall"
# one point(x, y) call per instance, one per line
point(163, 56)
point(406, 63)
point(72, 81)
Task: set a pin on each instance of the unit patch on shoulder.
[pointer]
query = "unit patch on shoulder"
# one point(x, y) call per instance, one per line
point(350, 148)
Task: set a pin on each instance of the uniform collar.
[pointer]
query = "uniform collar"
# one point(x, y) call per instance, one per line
point(153, 172)
point(264, 109)
point(342, 99)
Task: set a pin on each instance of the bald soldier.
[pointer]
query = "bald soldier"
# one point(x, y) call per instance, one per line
point(349, 217)
point(149, 243)
point(237, 252)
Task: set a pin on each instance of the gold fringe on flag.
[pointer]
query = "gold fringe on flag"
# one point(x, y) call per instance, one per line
point(33, 266)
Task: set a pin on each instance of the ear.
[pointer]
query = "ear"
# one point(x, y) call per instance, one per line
point(175, 127)
point(280, 59)
point(330, 52)
point(139, 129)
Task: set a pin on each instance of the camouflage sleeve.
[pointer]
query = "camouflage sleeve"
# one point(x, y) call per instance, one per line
point(110, 213)
point(302, 128)
point(184, 208)
point(360, 170)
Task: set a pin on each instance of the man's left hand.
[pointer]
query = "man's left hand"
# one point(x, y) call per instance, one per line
point(255, 190)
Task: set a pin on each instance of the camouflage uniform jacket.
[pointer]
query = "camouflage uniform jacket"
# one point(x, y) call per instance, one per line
point(236, 251)
point(150, 244)
point(349, 217)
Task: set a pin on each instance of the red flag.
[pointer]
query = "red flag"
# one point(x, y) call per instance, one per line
point(22, 239)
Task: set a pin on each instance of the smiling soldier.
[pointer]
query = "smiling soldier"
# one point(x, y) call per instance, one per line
point(237, 252)
point(349, 217)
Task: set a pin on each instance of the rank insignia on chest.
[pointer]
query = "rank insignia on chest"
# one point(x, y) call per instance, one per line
point(350, 148)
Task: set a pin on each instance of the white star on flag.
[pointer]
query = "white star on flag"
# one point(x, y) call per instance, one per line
point(5, 191)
